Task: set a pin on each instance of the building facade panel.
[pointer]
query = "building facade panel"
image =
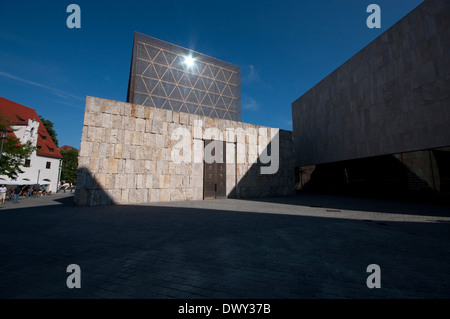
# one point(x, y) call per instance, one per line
point(391, 97)
point(161, 77)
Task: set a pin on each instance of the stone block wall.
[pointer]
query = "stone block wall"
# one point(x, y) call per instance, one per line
point(126, 156)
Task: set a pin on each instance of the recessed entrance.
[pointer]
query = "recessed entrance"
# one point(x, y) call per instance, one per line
point(214, 178)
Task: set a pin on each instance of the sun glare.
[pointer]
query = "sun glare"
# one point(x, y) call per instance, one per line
point(189, 61)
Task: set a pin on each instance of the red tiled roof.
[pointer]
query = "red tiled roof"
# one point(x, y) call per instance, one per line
point(19, 114)
point(65, 148)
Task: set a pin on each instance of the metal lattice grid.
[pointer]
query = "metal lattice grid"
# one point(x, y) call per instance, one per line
point(161, 78)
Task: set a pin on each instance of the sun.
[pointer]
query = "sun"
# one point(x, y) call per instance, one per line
point(189, 61)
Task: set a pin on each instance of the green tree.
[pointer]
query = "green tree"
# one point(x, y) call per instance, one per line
point(51, 131)
point(14, 153)
point(69, 166)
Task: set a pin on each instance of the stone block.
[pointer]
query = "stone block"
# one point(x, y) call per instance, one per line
point(159, 168)
point(197, 151)
point(132, 196)
point(148, 113)
point(129, 169)
point(176, 181)
point(230, 153)
point(93, 164)
point(184, 118)
point(156, 126)
point(241, 153)
point(97, 120)
point(140, 181)
point(118, 150)
point(125, 109)
point(155, 197)
point(131, 181)
point(167, 155)
point(176, 195)
point(121, 181)
point(176, 117)
point(134, 154)
point(169, 116)
point(164, 195)
point(140, 125)
point(197, 193)
point(193, 119)
point(161, 180)
point(172, 168)
point(90, 133)
point(106, 120)
point(138, 138)
point(149, 181)
point(197, 181)
point(141, 196)
point(186, 181)
point(112, 168)
point(210, 122)
point(85, 148)
point(91, 105)
point(157, 154)
point(167, 181)
point(116, 135)
point(108, 182)
point(148, 125)
point(188, 194)
point(150, 139)
point(159, 141)
point(102, 150)
point(83, 161)
point(197, 169)
point(140, 111)
point(198, 132)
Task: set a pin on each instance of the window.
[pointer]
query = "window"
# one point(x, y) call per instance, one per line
point(27, 163)
point(48, 165)
point(51, 149)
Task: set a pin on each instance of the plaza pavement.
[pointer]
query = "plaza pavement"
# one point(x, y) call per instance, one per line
point(304, 246)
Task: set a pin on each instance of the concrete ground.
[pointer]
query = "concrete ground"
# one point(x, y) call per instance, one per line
point(305, 246)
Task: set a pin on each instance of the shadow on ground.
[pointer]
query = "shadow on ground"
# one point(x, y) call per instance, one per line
point(178, 252)
point(358, 204)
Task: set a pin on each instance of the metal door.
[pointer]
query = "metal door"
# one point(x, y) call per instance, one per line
point(214, 182)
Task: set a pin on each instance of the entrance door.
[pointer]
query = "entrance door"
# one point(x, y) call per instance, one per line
point(214, 181)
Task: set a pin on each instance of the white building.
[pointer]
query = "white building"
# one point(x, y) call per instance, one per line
point(43, 167)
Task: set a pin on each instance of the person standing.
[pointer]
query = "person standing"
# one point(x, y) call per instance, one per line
point(17, 191)
point(3, 191)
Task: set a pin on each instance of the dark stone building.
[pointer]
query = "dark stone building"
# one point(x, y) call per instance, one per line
point(380, 122)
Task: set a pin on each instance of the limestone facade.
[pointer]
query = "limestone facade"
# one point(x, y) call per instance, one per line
point(127, 156)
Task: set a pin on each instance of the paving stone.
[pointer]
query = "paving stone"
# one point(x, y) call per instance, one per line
point(272, 248)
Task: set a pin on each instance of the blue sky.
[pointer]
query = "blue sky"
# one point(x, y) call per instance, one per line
point(283, 48)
